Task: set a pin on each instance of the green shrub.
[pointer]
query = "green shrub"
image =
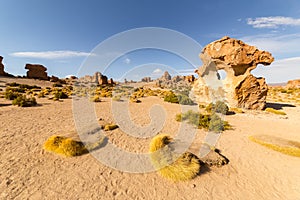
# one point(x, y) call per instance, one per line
point(11, 95)
point(57, 85)
point(60, 95)
point(218, 107)
point(208, 122)
point(171, 97)
point(221, 107)
point(184, 100)
point(23, 101)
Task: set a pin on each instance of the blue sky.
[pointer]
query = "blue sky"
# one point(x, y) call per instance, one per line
point(60, 34)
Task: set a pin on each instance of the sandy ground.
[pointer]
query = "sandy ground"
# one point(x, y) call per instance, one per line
point(29, 172)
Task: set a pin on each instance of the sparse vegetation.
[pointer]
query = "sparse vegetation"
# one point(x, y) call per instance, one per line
point(171, 97)
point(69, 147)
point(96, 98)
point(184, 100)
point(110, 127)
point(277, 112)
point(60, 95)
point(218, 107)
point(211, 122)
point(171, 165)
point(278, 144)
point(23, 101)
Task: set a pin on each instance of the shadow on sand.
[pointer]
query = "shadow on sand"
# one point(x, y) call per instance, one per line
point(278, 106)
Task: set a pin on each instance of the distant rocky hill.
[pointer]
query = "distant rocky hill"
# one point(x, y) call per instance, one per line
point(97, 78)
point(293, 83)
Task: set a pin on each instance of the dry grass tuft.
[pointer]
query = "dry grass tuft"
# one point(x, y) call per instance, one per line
point(69, 147)
point(277, 112)
point(170, 165)
point(278, 144)
point(110, 127)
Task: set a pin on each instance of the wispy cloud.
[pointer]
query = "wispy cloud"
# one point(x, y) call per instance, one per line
point(127, 61)
point(280, 45)
point(280, 70)
point(157, 71)
point(272, 22)
point(51, 54)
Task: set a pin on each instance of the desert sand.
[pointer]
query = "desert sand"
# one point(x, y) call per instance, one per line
point(29, 172)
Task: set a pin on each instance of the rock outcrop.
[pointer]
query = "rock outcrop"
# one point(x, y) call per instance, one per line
point(240, 88)
point(97, 78)
point(146, 79)
point(54, 79)
point(189, 79)
point(179, 83)
point(36, 71)
point(2, 72)
point(293, 83)
point(166, 76)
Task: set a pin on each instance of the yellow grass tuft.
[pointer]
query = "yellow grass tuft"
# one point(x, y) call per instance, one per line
point(174, 167)
point(278, 144)
point(109, 127)
point(68, 147)
point(236, 110)
point(277, 112)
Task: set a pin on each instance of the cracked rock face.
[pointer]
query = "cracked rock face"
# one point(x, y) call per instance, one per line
point(240, 88)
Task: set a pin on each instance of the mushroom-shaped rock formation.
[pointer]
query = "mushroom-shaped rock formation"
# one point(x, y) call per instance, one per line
point(36, 71)
point(240, 88)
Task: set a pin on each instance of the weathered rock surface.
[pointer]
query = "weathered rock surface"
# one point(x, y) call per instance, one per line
point(97, 78)
point(240, 88)
point(215, 158)
point(166, 76)
point(146, 79)
point(36, 71)
point(54, 79)
point(166, 81)
point(189, 79)
point(293, 83)
point(2, 72)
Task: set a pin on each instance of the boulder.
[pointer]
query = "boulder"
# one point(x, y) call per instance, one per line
point(240, 88)
point(36, 71)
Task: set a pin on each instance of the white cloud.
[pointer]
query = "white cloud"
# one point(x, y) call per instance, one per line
point(127, 61)
point(272, 22)
point(280, 70)
point(157, 71)
point(276, 44)
point(51, 54)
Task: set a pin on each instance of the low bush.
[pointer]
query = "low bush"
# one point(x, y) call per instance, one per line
point(184, 100)
point(218, 107)
point(11, 95)
point(60, 95)
point(23, 101)
point(211, 122)
point(171, 97)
